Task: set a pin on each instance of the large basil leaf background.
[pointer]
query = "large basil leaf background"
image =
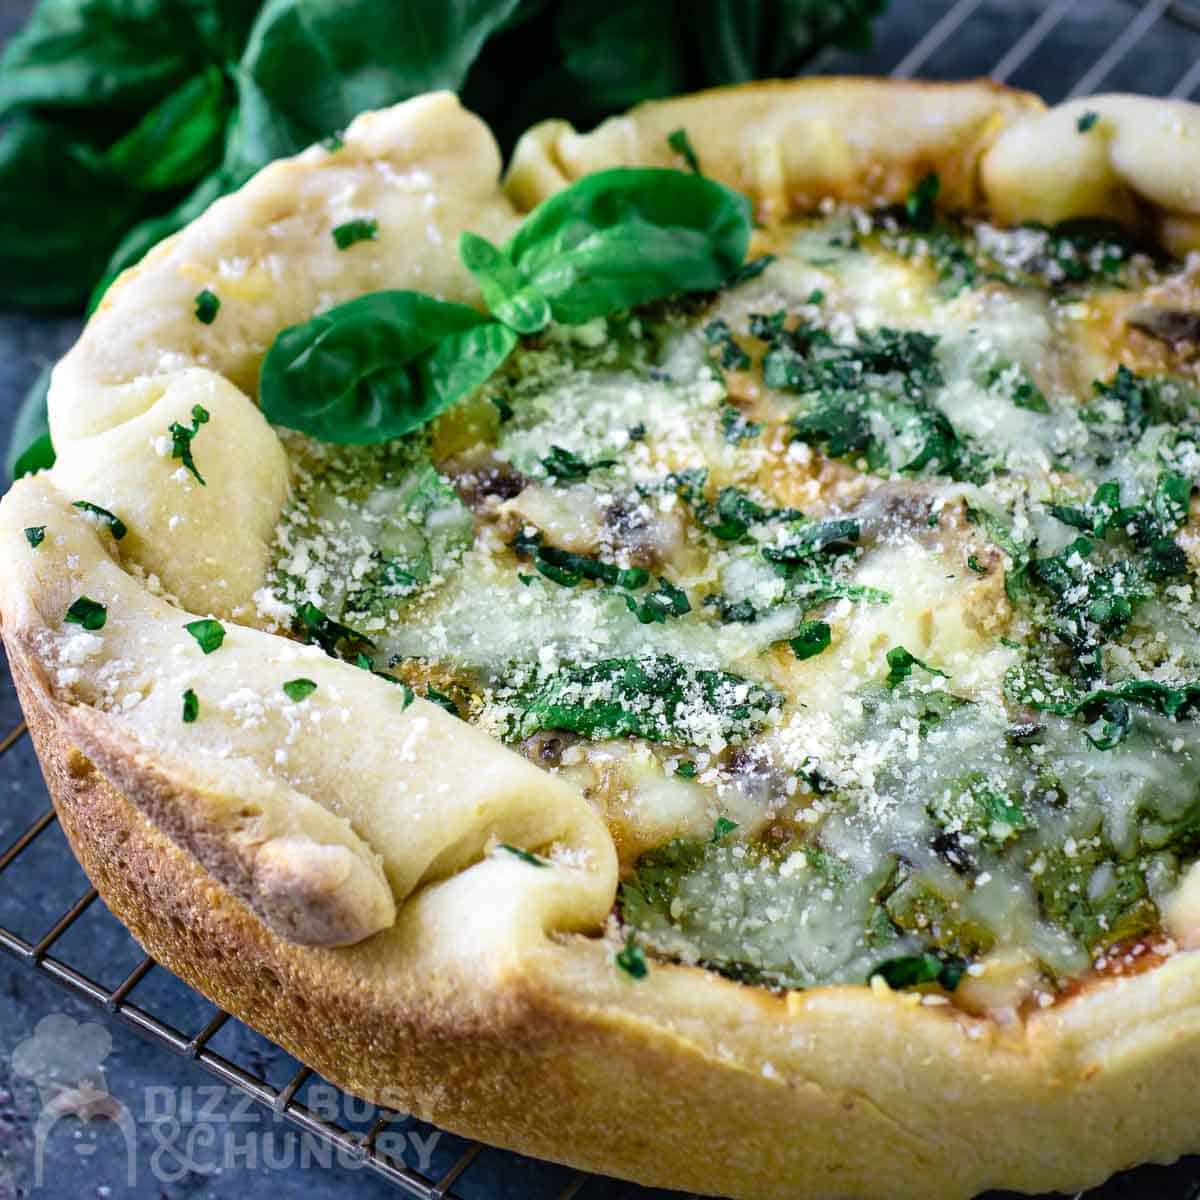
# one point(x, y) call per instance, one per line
point(122, 120)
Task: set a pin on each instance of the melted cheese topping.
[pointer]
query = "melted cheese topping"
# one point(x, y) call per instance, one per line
point(811, 589)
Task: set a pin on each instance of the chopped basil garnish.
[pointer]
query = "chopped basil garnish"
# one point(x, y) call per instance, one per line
point(730, 355)
point(655, 696)
point(722, 828)
point(811, 638)
point(655, 607)
point(1106, 707)
point(364, 229)
point(569, 569)
point(679, 141)
point(299, 689)
point(367, 664)
point(900, 664)
point(567, 466)
point(750, 270)
point(116, 526)
point(631, 958)
point(734, 512)
point(324, 630)
point(524, 855)
point(919, 204)
point(181, 440)
point(89, 613)
point(209, 634)
point(442, 701)
point(686, 770)
point(913, 969)
point(736, 427)
point(191, 706)
point(1087, 121)
point(35, 535)
point(208, 304)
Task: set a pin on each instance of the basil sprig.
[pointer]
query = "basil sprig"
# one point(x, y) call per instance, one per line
point(387, 363)
point(378, 367)
point(610, 241)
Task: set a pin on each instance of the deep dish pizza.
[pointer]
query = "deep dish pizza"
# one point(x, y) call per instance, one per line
point(688, 664)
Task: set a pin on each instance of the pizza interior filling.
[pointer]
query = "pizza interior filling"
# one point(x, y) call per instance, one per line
point(859, 596)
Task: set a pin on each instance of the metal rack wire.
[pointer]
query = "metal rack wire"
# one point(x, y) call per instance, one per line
point(284, 1101)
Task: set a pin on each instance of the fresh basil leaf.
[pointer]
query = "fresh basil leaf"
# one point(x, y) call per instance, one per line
point(460, 362)
point(519, 307)
point(35, 535)
point(1087, 121)
point(61, 213)
point(191, 707)
point(378, 367)
point(772, 39)
point(37, 456)
point(116, 54)
point(309, 68)
point(629, 235)
point(29, 447)
point(177, 141)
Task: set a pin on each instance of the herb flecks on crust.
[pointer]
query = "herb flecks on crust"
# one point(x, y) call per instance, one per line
point(856, 592)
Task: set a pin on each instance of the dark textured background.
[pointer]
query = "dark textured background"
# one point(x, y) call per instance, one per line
point(87, 1161)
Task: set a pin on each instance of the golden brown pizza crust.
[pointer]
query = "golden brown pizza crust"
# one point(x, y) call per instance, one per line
point(490, 1004)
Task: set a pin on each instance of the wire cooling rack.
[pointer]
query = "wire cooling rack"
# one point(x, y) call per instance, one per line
point(950, 46)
